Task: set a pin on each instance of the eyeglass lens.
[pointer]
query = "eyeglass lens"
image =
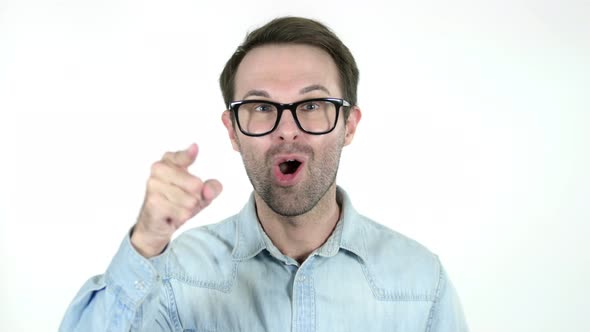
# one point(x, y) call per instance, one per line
point(314, 116)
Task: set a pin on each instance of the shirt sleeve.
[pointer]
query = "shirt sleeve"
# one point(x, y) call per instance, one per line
point(446, 314)
point(123, 298)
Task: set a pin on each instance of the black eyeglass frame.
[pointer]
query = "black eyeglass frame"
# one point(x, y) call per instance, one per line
point(338, 103)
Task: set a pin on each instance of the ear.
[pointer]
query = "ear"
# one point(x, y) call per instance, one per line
point(231, 131)
point(354, 117)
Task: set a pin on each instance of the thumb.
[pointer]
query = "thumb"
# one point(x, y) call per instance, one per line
point(211, 189)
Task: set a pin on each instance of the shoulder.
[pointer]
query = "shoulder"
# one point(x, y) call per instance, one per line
point(394, 259)
point(383, 242)
point(382, 247)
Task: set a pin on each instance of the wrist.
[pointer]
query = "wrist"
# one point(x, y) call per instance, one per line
point(145, 245)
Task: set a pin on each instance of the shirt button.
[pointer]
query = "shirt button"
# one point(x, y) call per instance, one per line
point(139, 285)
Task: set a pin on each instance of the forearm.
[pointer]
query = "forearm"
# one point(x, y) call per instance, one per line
point(119, 300)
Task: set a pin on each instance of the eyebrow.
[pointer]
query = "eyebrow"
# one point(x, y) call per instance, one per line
point(314, 88)
point(307, 89)
point(256, 93)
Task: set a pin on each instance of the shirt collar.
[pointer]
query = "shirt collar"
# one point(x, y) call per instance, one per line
point(249, 240)
point(352, 226)
point(348, 233)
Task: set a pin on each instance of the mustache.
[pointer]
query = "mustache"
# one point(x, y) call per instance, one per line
point(288, 148)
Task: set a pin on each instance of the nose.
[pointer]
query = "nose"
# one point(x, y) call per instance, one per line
point(287, 129)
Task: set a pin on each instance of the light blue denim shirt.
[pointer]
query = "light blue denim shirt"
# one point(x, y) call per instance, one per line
point(230, 277)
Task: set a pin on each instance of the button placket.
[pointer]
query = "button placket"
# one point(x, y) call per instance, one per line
point(304, 298)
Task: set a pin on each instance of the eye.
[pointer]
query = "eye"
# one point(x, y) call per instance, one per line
point(310, 107)
point(263, 108)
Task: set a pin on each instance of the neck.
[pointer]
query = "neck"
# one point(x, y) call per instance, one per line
point(299, 236)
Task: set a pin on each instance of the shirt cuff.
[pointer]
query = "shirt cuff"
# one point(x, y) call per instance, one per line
point(132, 276)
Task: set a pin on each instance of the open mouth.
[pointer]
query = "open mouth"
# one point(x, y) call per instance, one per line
point(289, 166)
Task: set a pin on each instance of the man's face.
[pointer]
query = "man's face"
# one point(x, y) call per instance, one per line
point(290, 169)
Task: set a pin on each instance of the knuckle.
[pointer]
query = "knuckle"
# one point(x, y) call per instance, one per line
point(184, 215)
point(152, 201)
point(152, 184)
point(194, 185)
point(157, 167)
point(167, 155)
point(192, 203)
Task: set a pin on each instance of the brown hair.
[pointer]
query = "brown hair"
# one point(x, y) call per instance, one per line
point(295, 30)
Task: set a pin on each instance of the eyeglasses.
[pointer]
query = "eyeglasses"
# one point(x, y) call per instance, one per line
point(313, 116)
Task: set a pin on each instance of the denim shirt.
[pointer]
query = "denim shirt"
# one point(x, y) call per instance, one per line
point(230, 277)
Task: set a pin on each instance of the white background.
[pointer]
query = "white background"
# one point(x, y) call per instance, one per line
point(474, 139)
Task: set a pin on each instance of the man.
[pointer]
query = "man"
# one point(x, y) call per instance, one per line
point(298, 257)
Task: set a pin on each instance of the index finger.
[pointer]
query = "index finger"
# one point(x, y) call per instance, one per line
point(182, 158)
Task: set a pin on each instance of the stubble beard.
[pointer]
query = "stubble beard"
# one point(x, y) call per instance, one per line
point(303, 197)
